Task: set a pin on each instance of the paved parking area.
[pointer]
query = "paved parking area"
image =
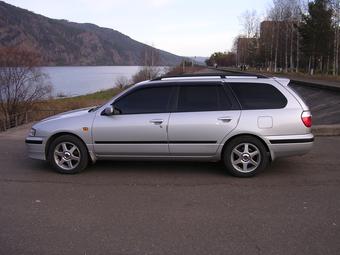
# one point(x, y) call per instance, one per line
point(169, 207)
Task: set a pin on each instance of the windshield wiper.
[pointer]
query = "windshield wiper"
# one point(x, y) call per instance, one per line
point(94, 109)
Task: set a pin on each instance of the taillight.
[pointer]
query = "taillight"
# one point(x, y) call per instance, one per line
point(306, 118)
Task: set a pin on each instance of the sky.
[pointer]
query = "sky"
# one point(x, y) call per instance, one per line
point(182, 27)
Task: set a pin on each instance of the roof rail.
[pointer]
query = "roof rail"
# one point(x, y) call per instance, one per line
point(209, 76)
point(194, 75)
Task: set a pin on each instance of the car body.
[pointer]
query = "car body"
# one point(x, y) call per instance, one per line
point(185, 118)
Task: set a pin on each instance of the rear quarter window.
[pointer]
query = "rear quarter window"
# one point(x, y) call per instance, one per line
point(254, 96)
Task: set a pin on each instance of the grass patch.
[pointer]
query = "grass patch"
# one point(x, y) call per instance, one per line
point(71, 103)
point(99, 95)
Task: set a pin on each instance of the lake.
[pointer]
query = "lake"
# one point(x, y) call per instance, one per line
point(80, 80)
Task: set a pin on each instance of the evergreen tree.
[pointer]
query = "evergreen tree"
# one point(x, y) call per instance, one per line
point(316, 32)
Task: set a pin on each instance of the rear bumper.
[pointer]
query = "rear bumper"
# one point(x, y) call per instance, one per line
point(35, 148)
point(292, 145)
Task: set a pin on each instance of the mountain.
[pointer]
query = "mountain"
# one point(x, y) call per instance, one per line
point(199, 60)
point(61, 42)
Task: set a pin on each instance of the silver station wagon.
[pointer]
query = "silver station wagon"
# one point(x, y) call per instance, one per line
point(243, 121)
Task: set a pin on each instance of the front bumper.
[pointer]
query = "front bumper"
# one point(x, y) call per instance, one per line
point(292, 145)
point(35, 147)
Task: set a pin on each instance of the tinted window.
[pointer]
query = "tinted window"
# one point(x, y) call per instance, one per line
point(202, 98)
point(258, 96)
point(145, 100)
point(223, 99)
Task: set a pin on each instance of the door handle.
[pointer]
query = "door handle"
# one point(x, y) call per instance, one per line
point(225, 119)
point(156, 121)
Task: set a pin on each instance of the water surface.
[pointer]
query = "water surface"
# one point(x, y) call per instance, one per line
point(80, 80)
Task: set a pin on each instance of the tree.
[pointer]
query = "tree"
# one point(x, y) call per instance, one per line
point(222, 59)
point(316, 32)
point(122, 82)
point(247, 44)
point(292, 18)
point(296, 34)
point(21, 81)
point(250, 23)
point(335, 4)
point(281, 25)
point(151, 69)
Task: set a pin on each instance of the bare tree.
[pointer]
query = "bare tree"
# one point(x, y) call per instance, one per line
point(335, 4)
point(246, 45)
point(299, 9)
point(122, 82)
point(276, 14)
point(151, 67)
point(250, 22)
point(285, 16)
point(21, 81)
point(293, 11)
point(146, 73)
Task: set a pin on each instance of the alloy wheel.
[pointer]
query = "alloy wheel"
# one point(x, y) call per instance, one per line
point(245, 157)
point(67, 155)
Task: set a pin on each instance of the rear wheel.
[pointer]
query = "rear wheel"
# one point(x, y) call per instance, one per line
point(245, 156)
point(68, 155)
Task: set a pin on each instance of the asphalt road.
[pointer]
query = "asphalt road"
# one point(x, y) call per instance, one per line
point(169, 207)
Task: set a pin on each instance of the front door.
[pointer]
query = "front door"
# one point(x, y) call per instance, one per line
point(139, 129)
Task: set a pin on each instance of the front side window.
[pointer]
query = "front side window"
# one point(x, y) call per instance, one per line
point(194, 98)
point(145, 100)
point(254, 96)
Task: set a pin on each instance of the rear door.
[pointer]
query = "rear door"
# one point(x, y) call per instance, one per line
point(203, 115)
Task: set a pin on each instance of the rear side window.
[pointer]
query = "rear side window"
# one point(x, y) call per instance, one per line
point(258, 96)
point(195, 98)
point(145, 100)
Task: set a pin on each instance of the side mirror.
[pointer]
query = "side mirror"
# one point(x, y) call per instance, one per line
point(108, 111)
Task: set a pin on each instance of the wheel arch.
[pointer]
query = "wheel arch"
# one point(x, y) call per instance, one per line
point(246, 134)
point(56, 135)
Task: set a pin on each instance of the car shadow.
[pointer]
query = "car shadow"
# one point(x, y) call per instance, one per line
point(150, 167)
point(278, 168)
point(158, 167)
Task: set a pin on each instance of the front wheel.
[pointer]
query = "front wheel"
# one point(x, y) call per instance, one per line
point(245, 156)
point(68, 155)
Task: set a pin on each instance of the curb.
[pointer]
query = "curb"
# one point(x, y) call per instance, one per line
point(326, 130)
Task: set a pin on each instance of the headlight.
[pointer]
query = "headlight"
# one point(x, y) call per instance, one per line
point(32, 132)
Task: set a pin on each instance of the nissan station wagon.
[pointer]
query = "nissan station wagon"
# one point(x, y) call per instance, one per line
point(243, 121)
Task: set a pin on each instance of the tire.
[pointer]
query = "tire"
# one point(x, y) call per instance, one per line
point(68, 154)
point(245, 156)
